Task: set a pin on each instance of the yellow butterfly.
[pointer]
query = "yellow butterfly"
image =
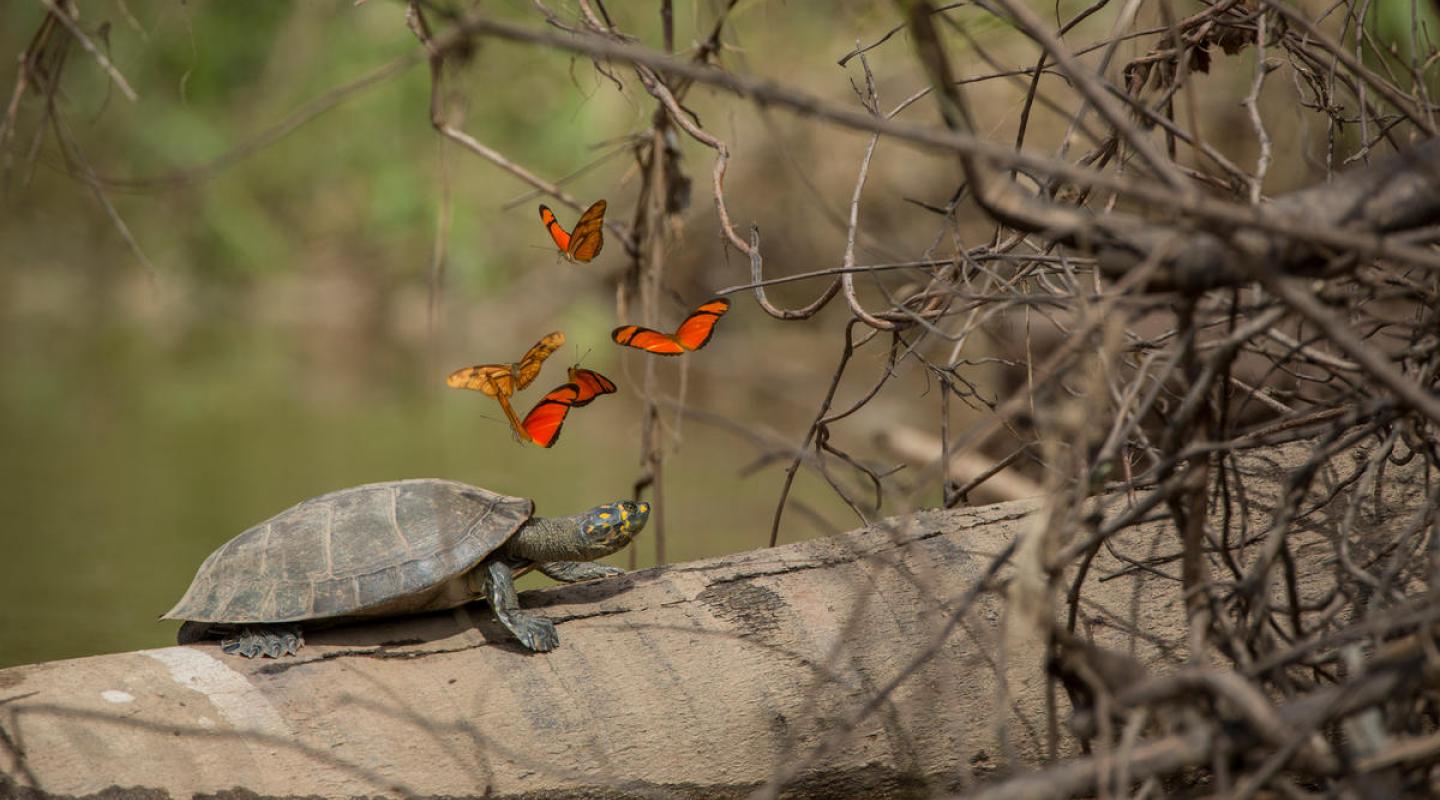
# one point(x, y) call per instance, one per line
point(501, 381)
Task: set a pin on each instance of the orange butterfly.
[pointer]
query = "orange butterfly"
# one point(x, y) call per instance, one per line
point(692, 334)
point(500, 381)
point(589, 385)
point(543, 422)
point(584, 242)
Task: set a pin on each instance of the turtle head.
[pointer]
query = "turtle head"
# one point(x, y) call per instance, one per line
point(610, 527)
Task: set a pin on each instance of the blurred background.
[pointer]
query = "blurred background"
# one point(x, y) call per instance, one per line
point(197, 332)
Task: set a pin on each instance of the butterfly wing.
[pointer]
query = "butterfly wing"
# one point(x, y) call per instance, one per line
point(697, 328)
point(588, 236)
point(495, 380)
point(692, 334)
point(645, 339)
point(542, 424)
point(529, 366)
point(591, 385)
point(562, 239)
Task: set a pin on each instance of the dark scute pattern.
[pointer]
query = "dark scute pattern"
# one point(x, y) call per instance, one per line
point(303, 554)
point(385, 583)
point(335, 596)
point(294, 603)
point(385, 541)
point(247, 595)
point(420, 573)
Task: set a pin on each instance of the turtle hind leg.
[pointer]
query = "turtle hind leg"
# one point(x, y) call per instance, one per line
point(271, 641)
point(572, 571)
point(192, 632)
point(535, 632)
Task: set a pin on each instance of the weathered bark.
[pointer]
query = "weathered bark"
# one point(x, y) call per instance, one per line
point(866, 664)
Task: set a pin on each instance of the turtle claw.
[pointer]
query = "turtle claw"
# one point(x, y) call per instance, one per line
point(271, 642)
point(573, 571)
point(248, 646)
point(293, 640)
point(536, 633)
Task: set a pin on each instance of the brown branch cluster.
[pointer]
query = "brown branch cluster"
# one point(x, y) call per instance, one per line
point(1196, 318)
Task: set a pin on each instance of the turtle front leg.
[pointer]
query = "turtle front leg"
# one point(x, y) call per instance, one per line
point(264, 640)
point(535, 632)
point(572, 571)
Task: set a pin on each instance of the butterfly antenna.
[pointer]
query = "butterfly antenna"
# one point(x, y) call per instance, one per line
point(675, 295)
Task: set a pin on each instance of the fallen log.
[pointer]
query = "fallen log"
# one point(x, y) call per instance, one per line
point(866, 664)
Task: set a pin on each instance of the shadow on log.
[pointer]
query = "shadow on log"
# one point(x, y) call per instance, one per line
point(871, 664)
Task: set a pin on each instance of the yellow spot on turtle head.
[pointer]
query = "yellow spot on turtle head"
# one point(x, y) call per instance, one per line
point(605, 515)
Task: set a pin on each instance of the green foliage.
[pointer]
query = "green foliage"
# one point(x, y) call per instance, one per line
point(1400, 36)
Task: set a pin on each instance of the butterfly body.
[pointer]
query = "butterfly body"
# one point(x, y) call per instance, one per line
point(692, 334)
point(583, 242)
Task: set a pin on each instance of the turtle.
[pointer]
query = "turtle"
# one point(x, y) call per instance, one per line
point(392, 548)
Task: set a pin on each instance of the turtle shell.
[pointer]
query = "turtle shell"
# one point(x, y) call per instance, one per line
point(379, 548)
